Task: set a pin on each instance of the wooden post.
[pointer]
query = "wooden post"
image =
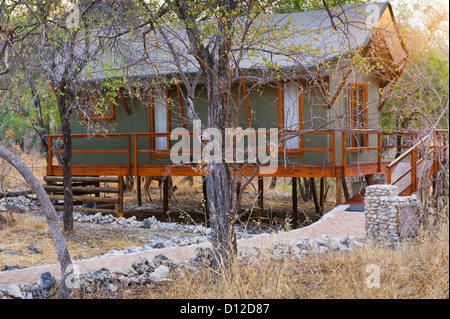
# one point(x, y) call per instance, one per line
point(166, 195)
point(205, 201)
point(314, 194)
point(50, 156)
point(379, 153)
point(344, 153)
point(120, 195)
point(260, 197)
point(338, 191)
point(322, 195)
point(294, 202)
point(138, 190)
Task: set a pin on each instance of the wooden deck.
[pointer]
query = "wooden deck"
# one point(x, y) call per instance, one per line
point(402, 172)
point(289, 170)
point(132, 165)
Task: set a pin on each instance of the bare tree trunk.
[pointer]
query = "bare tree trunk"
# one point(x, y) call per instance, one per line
point(218, 182)
point(50, 215)
point(67, 172)
point(223, 236)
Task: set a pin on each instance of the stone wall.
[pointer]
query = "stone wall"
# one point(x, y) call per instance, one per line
point(389, 217)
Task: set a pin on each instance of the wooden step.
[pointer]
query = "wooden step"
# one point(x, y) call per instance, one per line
point(87, 179)
point(82, 190)
point(87, 199)
point(88, 210)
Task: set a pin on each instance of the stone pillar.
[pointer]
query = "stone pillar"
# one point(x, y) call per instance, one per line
point(381, 215)
point(389, 217)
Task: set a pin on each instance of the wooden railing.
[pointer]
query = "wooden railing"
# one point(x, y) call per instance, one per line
point(420, 154)
point(52, 152)
point(379, 147)
point(292, 152)
point(133, 150)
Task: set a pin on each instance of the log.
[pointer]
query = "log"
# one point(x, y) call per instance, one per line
point(89, 210)
point(87, 199)
point(88, 179)
point(83, 190)
point(16, 194)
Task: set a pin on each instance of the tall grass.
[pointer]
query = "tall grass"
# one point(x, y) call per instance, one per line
point(419, 269)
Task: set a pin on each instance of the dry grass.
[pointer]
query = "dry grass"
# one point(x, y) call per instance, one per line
point(12, 180)
point(419, 270)
point(88, 241)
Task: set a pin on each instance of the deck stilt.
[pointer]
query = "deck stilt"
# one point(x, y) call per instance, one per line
point(322, 195)
point(166, 195)
point(294, 202)
point(205, 201)
point(338, 191)
point(138, 190)
point(260, 197)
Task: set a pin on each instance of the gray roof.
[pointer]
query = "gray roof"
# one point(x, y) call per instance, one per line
point(296, 40)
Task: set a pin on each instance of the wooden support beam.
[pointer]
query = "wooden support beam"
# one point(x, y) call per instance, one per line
point(322, 195)
point(260, 197)
point(165, 195)
point(314, 194)
point(205, 201)
point(120, 204)
point(338, 191)
point(294, 202)
point(138, 190)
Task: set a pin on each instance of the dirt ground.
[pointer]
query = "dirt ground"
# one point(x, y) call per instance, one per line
point(186, 206)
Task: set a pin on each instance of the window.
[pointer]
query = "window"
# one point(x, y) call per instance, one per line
point(160, 117)
point(293, 112)
point(96, 106)
point(359, 114)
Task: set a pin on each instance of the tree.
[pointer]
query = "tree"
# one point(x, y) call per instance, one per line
point(51, 217)
point(211, 39)
point(15, 35)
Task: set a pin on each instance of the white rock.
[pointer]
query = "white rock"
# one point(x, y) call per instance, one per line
point(160, 274)
point(14, 291)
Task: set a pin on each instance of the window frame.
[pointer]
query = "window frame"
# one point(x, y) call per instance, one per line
point(358, 117)
point(92, 115)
